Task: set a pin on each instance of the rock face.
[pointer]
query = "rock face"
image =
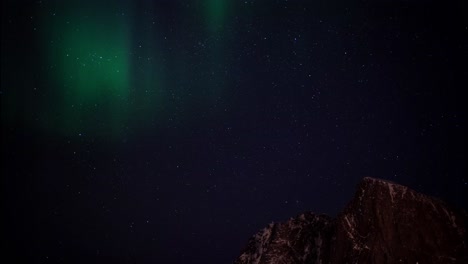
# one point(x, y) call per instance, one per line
point(384, 223)
point(304, 239)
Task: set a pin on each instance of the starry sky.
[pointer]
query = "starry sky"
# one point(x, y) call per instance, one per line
point(171, 131)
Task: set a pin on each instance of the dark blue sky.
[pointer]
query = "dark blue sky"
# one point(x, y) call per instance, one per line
point(236, 114)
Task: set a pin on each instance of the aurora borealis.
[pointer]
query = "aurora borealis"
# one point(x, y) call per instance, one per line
point(90, 68)
point(105, 69)
point(160, 131)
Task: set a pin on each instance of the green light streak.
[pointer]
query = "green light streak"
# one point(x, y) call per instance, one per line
point(216, 14)
point(90, 73)
point(216, 11)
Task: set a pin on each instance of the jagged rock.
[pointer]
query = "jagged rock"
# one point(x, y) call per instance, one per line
point(384, 223)
point(303, 239)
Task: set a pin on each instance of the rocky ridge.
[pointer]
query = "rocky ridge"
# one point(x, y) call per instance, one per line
point(384, 223)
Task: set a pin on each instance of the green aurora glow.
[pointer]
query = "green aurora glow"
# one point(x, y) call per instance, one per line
point(109, 73)
point(216, 13)
point(90, 69)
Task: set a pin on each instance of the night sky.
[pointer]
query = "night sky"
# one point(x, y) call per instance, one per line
point(171, 131)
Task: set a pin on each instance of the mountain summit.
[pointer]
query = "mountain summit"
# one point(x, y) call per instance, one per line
point(384, 223)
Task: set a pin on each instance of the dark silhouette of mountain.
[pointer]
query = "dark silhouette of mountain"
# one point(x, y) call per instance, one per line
point(384, 223)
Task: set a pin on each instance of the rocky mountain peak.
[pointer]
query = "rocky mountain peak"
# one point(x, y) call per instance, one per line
point(384, 223)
